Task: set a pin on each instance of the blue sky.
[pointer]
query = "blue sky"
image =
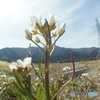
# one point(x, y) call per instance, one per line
point(79, 16)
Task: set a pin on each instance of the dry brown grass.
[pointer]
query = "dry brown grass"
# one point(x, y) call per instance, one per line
point(56, 69)
point(94, 76)
point(4, 65)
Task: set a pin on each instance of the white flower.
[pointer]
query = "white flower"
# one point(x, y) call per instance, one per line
point(23, 64)
point(12, 78)
point(53, 19)
point(36, 21)
point(13, 66)
point(66, 68)
point(36, 68)
point(85, 74)
point(61, 29)
point(3, 76)
point(4, 83)
point(28, 34)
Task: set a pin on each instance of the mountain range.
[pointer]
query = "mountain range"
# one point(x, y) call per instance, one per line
point(59, 54)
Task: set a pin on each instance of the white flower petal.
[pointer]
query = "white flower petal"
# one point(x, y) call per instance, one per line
point(63, 26)
point(20, 63)
point(14, 63)
point(57, 18)
point(66, 68)
point(85, 74)
point(61, 29)
point(49, 16)
point(27, 61)
point(40, 18)
point(28, 34)
point(36, 20)
point(53, 19)
point(33, 19)
point(13, 66)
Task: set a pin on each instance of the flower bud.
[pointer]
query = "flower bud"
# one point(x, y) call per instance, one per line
point(53, 19)
point(34, 32)
point(28, 34)
point(36, 22)
point(37, 40)
point(54, 34)
point(61, 30)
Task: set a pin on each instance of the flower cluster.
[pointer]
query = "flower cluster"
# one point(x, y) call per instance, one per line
point(21, 66)
point(66, 68)
point(43, 29)
point(85, 75)
point(50, 32)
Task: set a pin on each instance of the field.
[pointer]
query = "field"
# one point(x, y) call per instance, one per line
point(90, 83)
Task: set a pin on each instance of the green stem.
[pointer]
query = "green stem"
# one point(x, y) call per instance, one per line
point(38, 46)
point(56, 40)
point(47, 60)
point(35, 71)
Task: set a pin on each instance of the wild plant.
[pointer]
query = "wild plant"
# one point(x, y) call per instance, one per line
point(43, 35)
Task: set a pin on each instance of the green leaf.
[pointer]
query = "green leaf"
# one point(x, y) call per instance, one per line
point(43, 96)
point(28, 80)
point(60, 76)
point(19, 79)
point(40, 92)
point(22, 86)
